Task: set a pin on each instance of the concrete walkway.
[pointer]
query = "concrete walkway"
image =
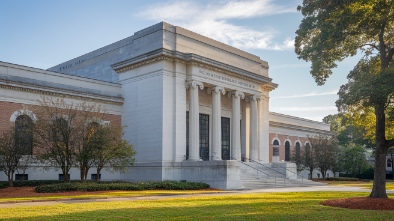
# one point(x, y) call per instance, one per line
point(233, 192)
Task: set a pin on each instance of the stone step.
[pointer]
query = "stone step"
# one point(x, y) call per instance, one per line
point(260, 176)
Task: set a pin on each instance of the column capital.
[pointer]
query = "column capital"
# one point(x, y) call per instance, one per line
point(236, 94)
point(255, 97)
point(194, 84)
point(216, 89)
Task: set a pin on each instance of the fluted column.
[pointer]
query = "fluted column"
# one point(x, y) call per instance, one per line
point(216, 153)
point(235, 125)
point(194, 124)
point(254, 142)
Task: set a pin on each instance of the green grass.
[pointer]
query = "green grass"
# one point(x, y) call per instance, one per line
point(109, 194)
point(261, 206)
point(362, 184)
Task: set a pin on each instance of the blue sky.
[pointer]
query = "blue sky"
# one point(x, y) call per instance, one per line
point(44, 33)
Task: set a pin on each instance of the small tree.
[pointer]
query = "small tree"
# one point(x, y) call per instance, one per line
point(324, 153)
point(353, 160)
point(11, 157)
point(111, 150)
point(304, 159)
point(55, 135)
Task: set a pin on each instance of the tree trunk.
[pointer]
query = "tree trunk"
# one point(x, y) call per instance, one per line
point(379, 182)
point(98, 172)
point(10, 179)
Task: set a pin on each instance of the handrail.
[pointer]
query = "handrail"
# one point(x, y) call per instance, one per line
point(302, 177)
point(251, 167)
point(289, 170)
point(265, 166)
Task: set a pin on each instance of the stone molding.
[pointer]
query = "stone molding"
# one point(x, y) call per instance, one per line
point(59, 92)
point(236, 94)
point(299, 128)
point(194, 84)
point(192, 59)
point(216, 89)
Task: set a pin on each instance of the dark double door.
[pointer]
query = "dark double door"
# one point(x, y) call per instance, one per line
point(204, 137)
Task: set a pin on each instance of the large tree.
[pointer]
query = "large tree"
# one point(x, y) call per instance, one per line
point(333, 30)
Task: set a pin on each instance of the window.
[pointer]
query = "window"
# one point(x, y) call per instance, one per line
point(60, 130)
point(204, 137)
point(287, 151)
point(275, 151)
point(24, 134)
point(389, 162)
point(187, 135)
point(298, 150)
point(225, 138)
point(61, 176)
point(21, 176)
point(94, 176)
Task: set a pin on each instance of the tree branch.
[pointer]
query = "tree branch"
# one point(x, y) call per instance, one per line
point(390, 143)
point(370, 44)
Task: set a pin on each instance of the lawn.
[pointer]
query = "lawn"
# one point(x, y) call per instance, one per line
point(106, 194)
point(362, 184)
point(258, 206)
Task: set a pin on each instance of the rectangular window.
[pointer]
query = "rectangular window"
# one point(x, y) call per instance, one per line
point(187, 135)
point(21, 176)
point(93, 176)
point(204, 137)
point(61, 176)
point(276, 151)
point(225, 138)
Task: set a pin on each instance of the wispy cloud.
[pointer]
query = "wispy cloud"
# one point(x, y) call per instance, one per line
point(313, 94)
point(213, 20)
point(303, 109)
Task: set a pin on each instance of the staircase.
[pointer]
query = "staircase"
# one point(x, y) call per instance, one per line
point(255, 175)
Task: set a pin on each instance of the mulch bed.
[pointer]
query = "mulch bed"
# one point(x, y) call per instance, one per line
point(364, 203)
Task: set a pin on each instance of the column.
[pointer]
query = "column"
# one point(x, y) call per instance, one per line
point(254, 144)
point(216, 150)
point(194, 124)
point(235, 125)
point(245, 128)
point(264, 129)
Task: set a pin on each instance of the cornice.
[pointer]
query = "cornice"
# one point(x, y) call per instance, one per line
point(298, 128)
point(18, 86)
point(193, 59)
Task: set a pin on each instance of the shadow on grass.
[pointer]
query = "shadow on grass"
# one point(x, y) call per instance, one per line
point(290, 206)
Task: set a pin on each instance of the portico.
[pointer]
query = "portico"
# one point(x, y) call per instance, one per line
point(238, 98)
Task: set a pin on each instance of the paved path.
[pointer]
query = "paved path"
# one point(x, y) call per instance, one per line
point(272, 190)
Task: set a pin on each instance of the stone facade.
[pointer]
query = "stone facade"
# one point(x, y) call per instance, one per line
point(161, 82)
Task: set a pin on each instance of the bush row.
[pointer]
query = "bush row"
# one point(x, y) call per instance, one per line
point(104, 186)
point(31, 183)
point(343, 179)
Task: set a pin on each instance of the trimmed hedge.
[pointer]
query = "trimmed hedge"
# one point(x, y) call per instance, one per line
point(104, 186)
point(344, 179)
point(30, 183)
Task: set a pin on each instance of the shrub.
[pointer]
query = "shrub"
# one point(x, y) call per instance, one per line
point(343, 179)
point(104, 186)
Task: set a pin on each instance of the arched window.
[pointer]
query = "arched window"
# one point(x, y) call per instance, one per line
point(298, 150)
point(24, 134)
point(60, 130)
point(287, 151)
point(275, 151)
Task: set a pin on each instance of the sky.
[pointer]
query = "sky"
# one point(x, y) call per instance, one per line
point(44, 33)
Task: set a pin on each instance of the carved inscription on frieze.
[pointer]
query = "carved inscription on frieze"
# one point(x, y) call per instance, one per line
point(226, 79)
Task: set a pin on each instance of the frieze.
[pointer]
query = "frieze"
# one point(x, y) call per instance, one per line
point(50, 93)
point(226, 79)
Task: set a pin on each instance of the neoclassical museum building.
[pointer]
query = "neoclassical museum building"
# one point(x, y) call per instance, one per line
point(194, 108)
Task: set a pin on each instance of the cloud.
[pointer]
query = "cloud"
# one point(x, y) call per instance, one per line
point(313, 94)
point(304, 109)
point(213, 19)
